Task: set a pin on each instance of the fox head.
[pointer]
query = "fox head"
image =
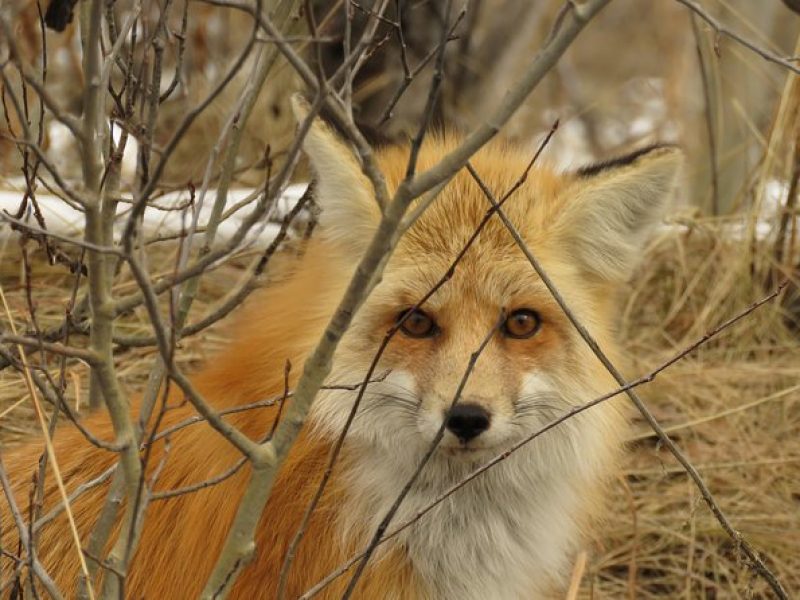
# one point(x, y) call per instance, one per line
point(588, 229)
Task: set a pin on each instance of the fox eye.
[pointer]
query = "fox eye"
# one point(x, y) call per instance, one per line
point(417, 324)
point(522, 323)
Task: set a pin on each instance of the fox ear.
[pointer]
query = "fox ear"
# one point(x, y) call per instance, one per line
point(610, 209)
point(350, 213)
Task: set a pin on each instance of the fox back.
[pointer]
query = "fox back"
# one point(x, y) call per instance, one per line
point(513, 531)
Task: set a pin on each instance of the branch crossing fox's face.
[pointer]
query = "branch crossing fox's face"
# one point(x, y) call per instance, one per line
point(588, 229)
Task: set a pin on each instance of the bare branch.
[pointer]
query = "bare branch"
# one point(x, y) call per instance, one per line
point(649, 377)
point(722, 30)
point(51, 457)
point(568, 25)
point(69, 351)
point(239, 544)
point(700, 46)
point(233, 435)
point(755, 560)
point(76, 493)
point(31, 142)
point(387, 519)
point(22, 531)
point(37, 84)
point(56, 399)
point(333, 103)
point(448, 274)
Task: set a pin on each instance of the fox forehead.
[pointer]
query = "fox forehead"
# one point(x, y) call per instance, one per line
point(448, 223)
point(477, 282)
point(493, 273)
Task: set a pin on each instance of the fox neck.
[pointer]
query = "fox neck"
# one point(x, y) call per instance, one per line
point(506, 534)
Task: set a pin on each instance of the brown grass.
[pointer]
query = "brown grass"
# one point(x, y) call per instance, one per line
point(732, 405)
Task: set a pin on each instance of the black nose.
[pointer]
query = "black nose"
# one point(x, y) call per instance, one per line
point(467, 421)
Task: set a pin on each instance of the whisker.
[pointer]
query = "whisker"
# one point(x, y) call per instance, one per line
point(397, 404)
point(545, 405)
point(399, 387)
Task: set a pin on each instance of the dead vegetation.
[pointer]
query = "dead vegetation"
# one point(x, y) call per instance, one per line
point(733, 405)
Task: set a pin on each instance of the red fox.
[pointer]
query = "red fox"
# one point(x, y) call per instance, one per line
point(511, 533)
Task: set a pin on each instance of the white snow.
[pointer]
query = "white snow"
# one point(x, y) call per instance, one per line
point(64, 220)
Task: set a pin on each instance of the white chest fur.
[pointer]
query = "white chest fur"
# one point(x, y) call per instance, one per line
point(507, 534)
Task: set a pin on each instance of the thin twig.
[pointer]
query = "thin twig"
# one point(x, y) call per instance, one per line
point(722, 30)
point(183, 127)
point(410, 75)
point(700, 46)
point(649, 377)
point(38, 84)
point(333, 103)
point(387, 519)
point(756, 562)
point(238, 439)
point(50, 453)
point(270, 456)
point(86, 356)
point(448, 274)
point(433, 98)
point(257, 405)
point(36, 566)
point(55, 398)
point(76, 493)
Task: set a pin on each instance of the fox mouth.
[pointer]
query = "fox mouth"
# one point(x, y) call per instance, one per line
point(461, 451)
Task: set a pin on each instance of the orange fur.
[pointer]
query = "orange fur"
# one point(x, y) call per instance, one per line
point(182, 536)
point(252, 371)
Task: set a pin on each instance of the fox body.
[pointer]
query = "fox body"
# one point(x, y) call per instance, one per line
point(510, 533)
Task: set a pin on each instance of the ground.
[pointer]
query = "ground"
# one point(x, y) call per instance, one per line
point(732, 405)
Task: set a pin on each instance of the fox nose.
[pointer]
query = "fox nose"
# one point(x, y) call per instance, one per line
point(467, 421)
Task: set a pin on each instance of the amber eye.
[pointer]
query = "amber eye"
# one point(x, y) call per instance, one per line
point(522, 323)
point(417, 324)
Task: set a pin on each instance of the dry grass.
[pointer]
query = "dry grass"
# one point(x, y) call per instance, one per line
point(51, 289)
point(733, 406)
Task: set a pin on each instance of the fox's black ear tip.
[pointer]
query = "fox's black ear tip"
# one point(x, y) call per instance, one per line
point(659, 150)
